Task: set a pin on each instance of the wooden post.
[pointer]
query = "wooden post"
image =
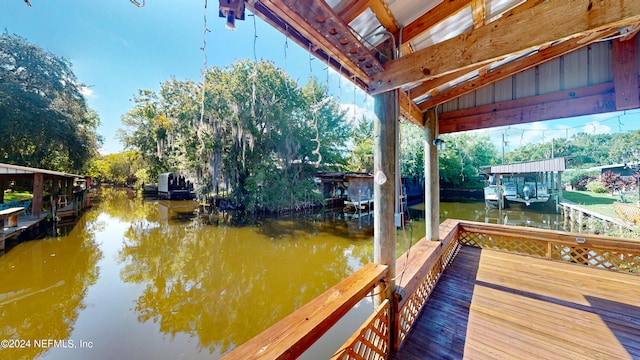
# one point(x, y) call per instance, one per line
point(431, 178)
point(384, 229)
point(625, 70)
point(38, 187)
point(499, 191)
point(3, 185)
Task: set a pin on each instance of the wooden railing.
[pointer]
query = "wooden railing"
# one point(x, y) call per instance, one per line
point(291, 336)
point(578, 219)
point(611, 253)
point(418, 272)
point(372, 340)
point(628, 212)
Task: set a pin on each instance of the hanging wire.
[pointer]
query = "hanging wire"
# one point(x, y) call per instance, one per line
point(134, 2)
point(286, 45)
point(255, 37)
point(340, 84)
point(204, 64)
point(310, 60)
point(620, 124)
point(354, 102)
point(327, 80)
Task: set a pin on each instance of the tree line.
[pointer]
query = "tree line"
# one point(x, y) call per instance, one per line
point(251, 133)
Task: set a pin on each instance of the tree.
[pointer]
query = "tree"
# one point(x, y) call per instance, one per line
point(463, 157)
point(361, 159)
point(43, 114)
point(252, 133)
point(412, 148)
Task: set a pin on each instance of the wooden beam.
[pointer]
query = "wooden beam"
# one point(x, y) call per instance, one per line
point(503, 72)
point(291, 336)
point(409, 110)
point(317, 23)
point(350, 10)
point(478, 12)
point(594, 99)
point(432, 84)
point(384, 15)
point(631, 33)
point(625, 71)
point(538, 26)
point(599, 89)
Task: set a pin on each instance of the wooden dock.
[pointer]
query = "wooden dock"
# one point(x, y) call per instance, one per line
point(25, 223)
point(491, 304)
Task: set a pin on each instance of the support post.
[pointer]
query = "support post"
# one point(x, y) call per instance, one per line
point(3, 186)
point(431, 178)
point(38, 189)
point(384, 229)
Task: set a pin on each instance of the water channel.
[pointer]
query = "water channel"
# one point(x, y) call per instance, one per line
point(142, 279)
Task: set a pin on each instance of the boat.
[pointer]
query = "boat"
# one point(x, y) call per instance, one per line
point(526, 183)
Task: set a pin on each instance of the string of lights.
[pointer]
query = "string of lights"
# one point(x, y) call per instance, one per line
point(526, 134)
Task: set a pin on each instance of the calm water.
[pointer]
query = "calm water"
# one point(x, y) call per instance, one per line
point(138, 279)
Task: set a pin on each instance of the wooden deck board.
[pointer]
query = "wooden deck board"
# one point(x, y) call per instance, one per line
point(490, 304)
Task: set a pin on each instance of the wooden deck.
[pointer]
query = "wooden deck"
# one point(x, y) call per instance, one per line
point(490, 304)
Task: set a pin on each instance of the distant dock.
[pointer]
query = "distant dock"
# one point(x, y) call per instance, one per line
point(56, 195)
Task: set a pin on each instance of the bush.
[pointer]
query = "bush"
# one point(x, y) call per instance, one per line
point(579, 178)
point(597, 187)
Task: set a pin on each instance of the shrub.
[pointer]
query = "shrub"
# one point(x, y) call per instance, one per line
point(597, 187)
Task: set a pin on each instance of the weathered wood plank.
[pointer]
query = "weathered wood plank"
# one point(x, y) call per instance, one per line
point(625, 71)
point(497, 305)
point(292, 335)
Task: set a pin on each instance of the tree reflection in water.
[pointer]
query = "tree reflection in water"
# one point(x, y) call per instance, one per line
point(224, 284)
point(43, 284)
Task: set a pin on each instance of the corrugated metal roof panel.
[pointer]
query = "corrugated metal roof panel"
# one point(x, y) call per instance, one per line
point(8, 169)
point(369, 28)
point(550, 165)
point(406, 11)
point(453, 26)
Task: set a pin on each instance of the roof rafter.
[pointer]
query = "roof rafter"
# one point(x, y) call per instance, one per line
point(554, 20)
point(593, 99)
point(505, 71)
point(384, 15)
point(327, 34)
point(478, 12)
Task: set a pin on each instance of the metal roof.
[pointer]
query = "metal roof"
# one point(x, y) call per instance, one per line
point(8, 169)
point(550, 165)
point(448, 45)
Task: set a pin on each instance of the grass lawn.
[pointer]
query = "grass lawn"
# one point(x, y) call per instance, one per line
point(17, 196)
point(600, 203)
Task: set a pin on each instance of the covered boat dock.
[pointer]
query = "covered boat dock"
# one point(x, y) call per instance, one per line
point(56, 194)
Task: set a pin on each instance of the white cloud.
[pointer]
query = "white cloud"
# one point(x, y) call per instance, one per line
point(596, 127)
point(354, 113)
point(87, 92)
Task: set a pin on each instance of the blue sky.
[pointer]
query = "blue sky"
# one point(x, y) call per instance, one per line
point(117, 48)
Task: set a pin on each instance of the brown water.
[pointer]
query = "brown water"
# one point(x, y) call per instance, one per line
point(136, 279)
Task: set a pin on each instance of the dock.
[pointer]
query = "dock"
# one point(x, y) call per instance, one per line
point(491, 304)
point(24, 223)
point(482, 291)
point(61, 195)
